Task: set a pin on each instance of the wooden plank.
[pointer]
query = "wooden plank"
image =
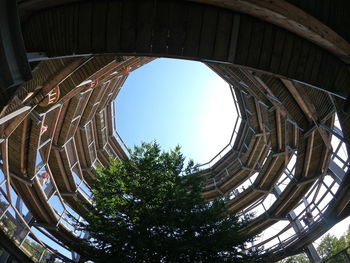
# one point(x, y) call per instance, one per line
point(305, 103)
point(257, 38)
point(231, 55)
point(341, 78)
point(62, 75)
point(84, 28)
point(34, 141)
point(267, 174)
point(266, 46)
point(160, 28)
point(128, 26)
point(61, 178)
point(38, 193)
point(295, 136)
point(14, 114)
point(287, 55)
point(177, 28)
point(295, 58)
point(260, 118)
point(310, 63)
point(329, 74)
point(6, 167)
point(302, 99)
point(268, 90)
point(68, 117)
point(304, 59)
point(244, 38)
point(195, 17)
point(316, 66)
point(223, 35)
point(291, 18)
point(47, 21)
point(113, 26)
point(279, 130)
point(98, 30)
point(278, 49)
point(109, 86)
point(208, 30)
point(70, 23)
point(251, 154)
point(34, 34)
point(82, 148)
point(145, 12)
point(308, 154)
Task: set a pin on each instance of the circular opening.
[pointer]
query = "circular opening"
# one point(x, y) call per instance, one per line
point(177, 102)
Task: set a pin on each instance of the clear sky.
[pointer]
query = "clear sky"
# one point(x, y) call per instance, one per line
point(176, 102)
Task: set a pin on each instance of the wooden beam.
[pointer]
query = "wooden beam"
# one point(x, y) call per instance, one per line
point(295, 136)
point(62, 75)
point(330, 123)
point(251, 155)
point(232, 178)
point(245, 168)
point(268, 171)
point(291, 18)
point(63, 171)
point(258, 190)
point(68, 194)
point(14, 114)
point(260, 118)
point(99, 76)
point(51, 227)
point(302, 99)
point(308, 154)
point(278, 154)
point(308, 180)
point(307, 106)
point(22, 179)
point(261, 84)
point(279, 129)
point(36, 202)
point(6, 168)
point(12, 126)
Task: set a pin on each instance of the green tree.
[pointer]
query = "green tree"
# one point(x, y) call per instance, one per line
point(145, 210)
point(301, 258)
point(347, 236)
point(35, 250)
point(330, 245)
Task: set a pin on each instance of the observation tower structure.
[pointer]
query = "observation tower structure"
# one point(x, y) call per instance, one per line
point(64, 62)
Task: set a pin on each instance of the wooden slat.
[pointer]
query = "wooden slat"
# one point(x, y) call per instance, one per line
point(83, 31)
point(144, 26)
point(177, 28)
point(113, 24)
point(223, 35)
point(160, 28)
point(290, 17)
point(208, 30)
point(128, 26)
point(98, 28)
point(195, 19)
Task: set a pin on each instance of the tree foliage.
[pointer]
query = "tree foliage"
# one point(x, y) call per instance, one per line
point(145, 210)
point(301, 258)
point(329, 246)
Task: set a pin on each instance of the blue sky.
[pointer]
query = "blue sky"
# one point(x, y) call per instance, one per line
point(176, 102)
